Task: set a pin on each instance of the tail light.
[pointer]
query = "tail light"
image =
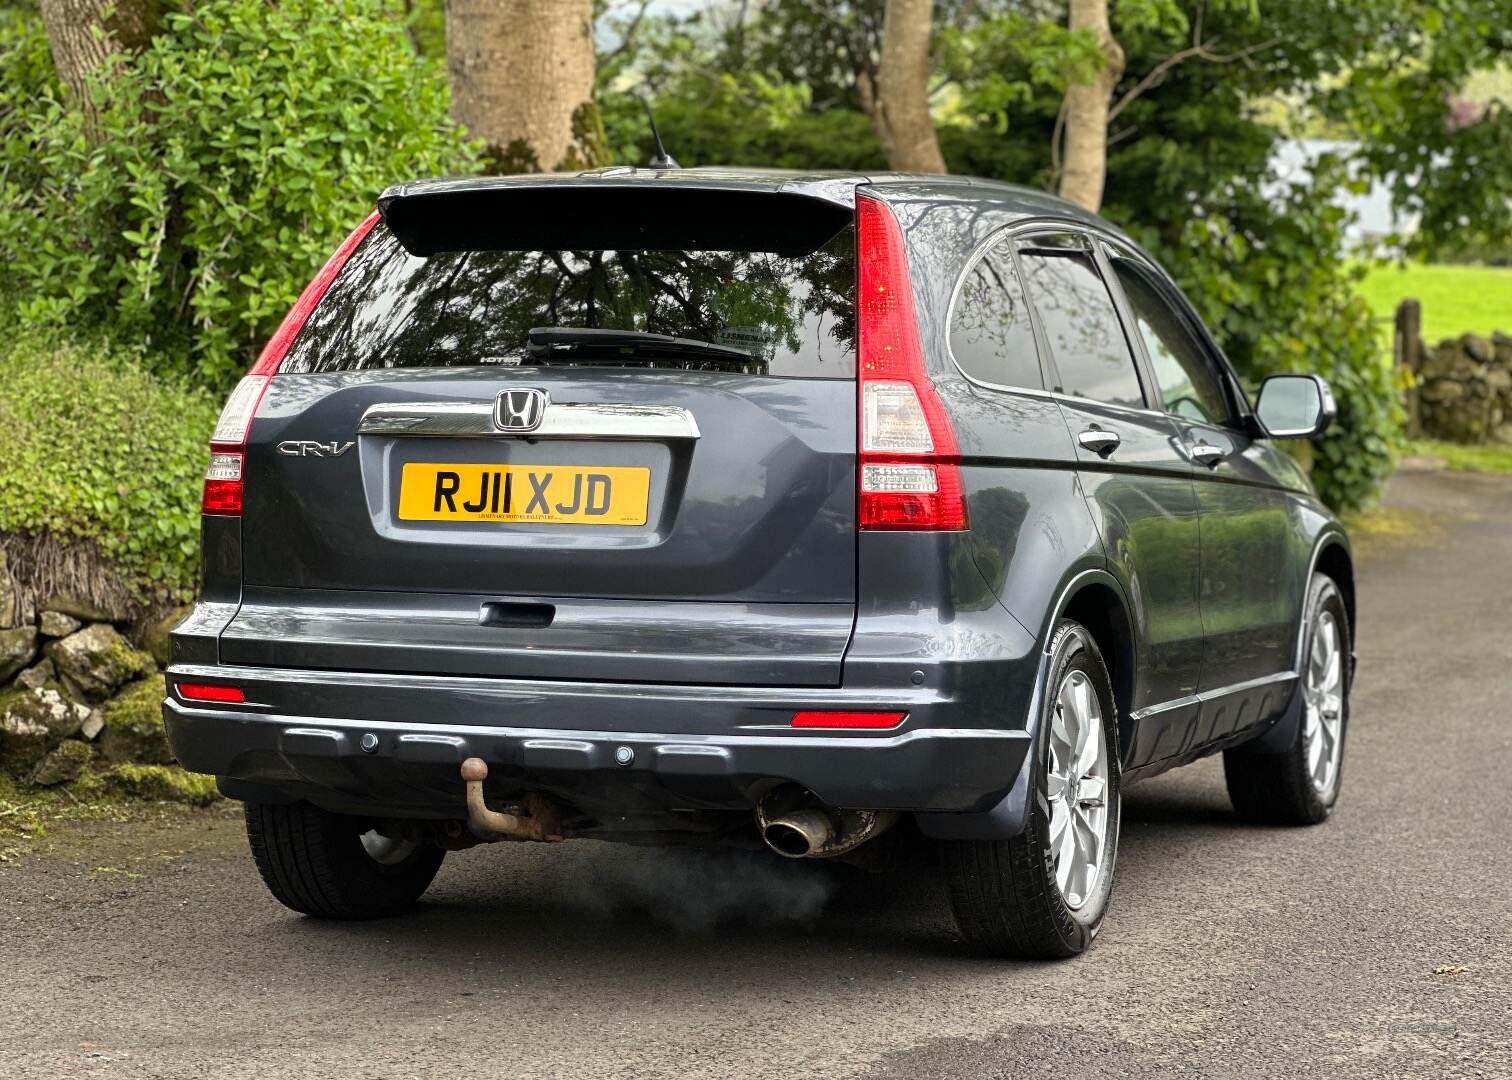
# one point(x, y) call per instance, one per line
point(228, 443)
point(910, 465)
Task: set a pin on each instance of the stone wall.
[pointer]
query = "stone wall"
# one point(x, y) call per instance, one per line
point(1464, 389)
point(78, 700)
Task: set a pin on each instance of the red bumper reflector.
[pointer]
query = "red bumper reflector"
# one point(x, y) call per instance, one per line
point(872, 720)
point(203, 692)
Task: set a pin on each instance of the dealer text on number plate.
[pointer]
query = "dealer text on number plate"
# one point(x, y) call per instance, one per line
point(574, 494)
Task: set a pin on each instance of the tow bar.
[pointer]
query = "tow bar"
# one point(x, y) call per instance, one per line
point(536, 819)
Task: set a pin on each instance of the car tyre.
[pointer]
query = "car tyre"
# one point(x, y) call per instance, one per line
point(1021, 897)
point(336, 867)
point(1300, 785)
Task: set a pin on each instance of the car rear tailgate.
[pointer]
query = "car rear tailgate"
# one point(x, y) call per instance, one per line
point(668, 521)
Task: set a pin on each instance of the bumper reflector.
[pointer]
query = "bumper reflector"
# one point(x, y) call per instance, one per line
point(872, 720)
point(203, 692)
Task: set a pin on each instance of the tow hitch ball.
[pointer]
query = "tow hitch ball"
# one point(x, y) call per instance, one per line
point(534, 818)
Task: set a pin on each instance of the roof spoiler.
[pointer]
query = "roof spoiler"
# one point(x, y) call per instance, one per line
point(595, 213)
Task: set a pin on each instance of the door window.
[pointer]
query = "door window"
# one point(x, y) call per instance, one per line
point(991, 336)
point(1189, 384)
point(1081, 324)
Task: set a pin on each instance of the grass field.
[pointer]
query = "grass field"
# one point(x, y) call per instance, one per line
point(1456, 299)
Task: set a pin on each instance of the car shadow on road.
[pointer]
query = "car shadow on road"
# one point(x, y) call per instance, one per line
point(535, 913)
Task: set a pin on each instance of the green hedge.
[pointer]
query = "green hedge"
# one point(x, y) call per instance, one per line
point(231, 156)
point(94, 449)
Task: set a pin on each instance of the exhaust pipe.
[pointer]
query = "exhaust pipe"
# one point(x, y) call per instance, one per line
point(799, 834)
point(797, 826)
point(537, 821)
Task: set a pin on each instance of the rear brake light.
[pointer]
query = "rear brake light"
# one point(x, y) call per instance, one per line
point(872, 720)
point(910, 466)
point(203, 692)
point(223, 484)
point(228, 442)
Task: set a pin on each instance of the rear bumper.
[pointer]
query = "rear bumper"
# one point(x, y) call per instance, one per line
point(303, 734)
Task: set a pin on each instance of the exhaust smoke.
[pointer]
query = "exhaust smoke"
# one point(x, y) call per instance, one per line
point(700, 889)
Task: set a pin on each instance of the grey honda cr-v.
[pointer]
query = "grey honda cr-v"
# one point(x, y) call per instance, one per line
point(742, 507)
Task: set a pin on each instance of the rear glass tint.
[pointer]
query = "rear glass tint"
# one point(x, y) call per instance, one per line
point(792, 312)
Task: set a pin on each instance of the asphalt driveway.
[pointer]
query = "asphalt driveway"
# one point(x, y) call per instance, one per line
point(1377, 945)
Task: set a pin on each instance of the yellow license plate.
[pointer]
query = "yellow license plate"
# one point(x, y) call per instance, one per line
point(575, 494)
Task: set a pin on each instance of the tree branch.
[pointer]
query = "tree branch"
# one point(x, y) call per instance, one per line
point(1198, 50)
point(627, 38)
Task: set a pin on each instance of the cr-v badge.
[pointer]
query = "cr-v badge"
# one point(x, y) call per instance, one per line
point(309, 448)
point(520, 408)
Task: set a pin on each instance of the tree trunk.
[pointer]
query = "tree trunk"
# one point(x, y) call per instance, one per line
point(522, 81)
point(85, 34)
point(900, 104)
point(1085, 168)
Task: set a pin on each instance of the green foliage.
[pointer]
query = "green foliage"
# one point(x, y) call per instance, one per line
point(96, 449)
point(230, 157)
point(1445, 154)
point(1188, 159)
point(749, 119)
point(1271, 278)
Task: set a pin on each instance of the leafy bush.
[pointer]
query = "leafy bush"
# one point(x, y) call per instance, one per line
point(231, 156)
point(1273, 281)
point(95, 450)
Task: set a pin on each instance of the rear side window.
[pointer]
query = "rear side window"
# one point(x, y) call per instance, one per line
point(991, 335)
point(1081, 324)
point(789, 312)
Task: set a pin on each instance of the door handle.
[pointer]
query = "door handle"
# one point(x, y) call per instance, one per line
point(1100, 442)
point(1207, 454)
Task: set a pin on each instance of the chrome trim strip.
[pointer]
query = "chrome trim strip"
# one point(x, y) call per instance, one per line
point(820, 697)
point(1208, 696)
point(467, 419)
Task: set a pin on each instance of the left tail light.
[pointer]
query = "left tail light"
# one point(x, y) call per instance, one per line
point(228, 443)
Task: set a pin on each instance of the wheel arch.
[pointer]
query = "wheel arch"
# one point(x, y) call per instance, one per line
point(1335, 560)
point(1096, 602)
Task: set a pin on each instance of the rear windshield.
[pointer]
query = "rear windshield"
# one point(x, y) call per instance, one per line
point(789, 313)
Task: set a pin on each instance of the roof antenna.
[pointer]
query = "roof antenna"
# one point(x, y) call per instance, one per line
point(660, 159)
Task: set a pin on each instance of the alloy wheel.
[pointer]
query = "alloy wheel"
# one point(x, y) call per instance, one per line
point(1077, 788)
point(1323, 699)
point(387, 850)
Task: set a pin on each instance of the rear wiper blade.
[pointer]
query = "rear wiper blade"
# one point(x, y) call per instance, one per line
point(609, 344)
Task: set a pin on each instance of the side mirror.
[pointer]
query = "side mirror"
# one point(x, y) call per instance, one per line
point(1295, 406)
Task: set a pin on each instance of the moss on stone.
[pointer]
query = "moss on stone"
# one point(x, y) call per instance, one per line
point(162, 783)
point(134, 731)
point(156, 638)
point(32, 723)
point(63, 763)
point(97, 661)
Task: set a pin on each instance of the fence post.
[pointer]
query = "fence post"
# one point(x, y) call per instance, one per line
point(1407, 344)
